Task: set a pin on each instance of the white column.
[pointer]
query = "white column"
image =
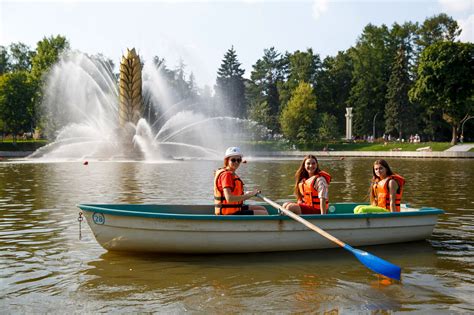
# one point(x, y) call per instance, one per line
point(349, 123)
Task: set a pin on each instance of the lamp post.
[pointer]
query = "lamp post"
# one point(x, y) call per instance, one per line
point(462, 128)
point(373, 125)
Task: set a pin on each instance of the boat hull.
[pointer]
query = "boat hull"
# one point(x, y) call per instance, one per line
point(149, 231)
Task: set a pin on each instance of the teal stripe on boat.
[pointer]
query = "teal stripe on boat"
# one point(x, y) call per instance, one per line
point(150, 211)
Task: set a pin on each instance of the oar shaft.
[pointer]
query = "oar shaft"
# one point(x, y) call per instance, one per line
point(370, 261)
point(303, 221)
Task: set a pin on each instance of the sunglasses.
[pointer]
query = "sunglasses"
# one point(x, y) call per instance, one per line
point(236, 160)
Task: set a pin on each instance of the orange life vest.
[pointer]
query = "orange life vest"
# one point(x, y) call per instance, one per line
point(382, 193)
point(221, 205)
point(309, 193)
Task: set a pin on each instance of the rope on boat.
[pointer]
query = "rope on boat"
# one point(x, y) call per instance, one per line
point(80, 219)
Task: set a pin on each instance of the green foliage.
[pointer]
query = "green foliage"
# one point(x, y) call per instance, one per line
point(230, 89)
point(21, 145)
point(47, 54)
point(373, 77)
point(262, 90)
point(16, 95)
point(4, 60)
point(398, 109)
point(20, 57)
point(333, 85)
point(260, 112)
point(301, 66)
point(298, 117)
point(328, 129)
point(372, 58)
point(438, 28)
point(445, 81)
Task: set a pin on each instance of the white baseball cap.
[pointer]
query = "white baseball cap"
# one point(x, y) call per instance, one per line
point(233, 151)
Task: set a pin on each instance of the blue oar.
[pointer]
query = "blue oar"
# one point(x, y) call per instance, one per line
point(372, 262)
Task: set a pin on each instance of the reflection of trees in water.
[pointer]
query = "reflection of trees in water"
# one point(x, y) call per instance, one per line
point(308, 282)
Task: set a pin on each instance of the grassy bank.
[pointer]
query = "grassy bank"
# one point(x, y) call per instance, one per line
point(33, 145)
point(341, 146)
point(21, 145)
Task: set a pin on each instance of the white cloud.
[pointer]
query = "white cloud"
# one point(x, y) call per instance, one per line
point(452, 6)
point(467, 26)
point(319, 7)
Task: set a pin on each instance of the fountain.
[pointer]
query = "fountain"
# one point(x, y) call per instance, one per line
point(90, 116)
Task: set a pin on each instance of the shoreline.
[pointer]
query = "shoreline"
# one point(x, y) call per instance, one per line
point(15, 154)
point(387, 154)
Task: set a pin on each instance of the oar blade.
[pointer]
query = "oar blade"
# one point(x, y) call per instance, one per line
point(376, 264)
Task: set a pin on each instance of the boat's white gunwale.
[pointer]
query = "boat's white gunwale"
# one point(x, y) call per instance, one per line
point(135, 213)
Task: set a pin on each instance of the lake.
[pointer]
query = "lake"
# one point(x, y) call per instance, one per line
point(46, 268)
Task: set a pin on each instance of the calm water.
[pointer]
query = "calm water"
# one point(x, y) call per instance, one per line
point(45, 268)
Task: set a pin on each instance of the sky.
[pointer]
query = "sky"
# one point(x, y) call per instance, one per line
point(200, 32)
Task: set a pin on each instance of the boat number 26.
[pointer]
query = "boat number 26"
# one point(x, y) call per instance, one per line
point(98, 218)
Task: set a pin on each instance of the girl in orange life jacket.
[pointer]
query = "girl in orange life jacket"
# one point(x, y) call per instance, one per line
point(387, 187)
point(229, 189)
point(311, 188)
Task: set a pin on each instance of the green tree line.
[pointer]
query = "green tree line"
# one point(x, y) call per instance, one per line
point(405, 79)
point(400, 80)
point(22, 72)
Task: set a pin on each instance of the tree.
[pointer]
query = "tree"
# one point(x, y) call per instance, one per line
point(230, 88)
point(300, 66)
point(48, 51)
point(406, 36)
point(260, 112)
point(47, 54)
point(180, 84)
point(20, 57)
point(333, 85)
point(434, 29)
point(372, 59)
point(298, 117)
point(445, 81)
point(398, 110)
point(328, 129)
point(437, 28)
point(262, 92)
point(4, 60)
point(192, 86)
point(16, 95)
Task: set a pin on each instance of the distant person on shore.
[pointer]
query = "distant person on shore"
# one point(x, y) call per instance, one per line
point(229, 195)
point(311, 188)
point(387, 187)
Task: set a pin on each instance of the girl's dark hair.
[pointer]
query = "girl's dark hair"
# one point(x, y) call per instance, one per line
point(301, 174)
point(384, 164)
point(375, 177)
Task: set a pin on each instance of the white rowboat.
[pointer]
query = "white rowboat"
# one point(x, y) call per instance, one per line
point(195, 228)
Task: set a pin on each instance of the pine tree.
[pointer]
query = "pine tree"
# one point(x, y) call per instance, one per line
point(397, 109)
point(263, 92)
point(230, 88)
point(371, 58)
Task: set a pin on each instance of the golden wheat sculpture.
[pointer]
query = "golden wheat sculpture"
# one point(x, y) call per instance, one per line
point(130, 88)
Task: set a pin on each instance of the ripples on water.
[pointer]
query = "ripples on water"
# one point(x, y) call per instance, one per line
point(47, 269)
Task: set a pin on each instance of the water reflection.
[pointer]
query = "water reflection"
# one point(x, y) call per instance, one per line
point(212, 282)
point(45, 264)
